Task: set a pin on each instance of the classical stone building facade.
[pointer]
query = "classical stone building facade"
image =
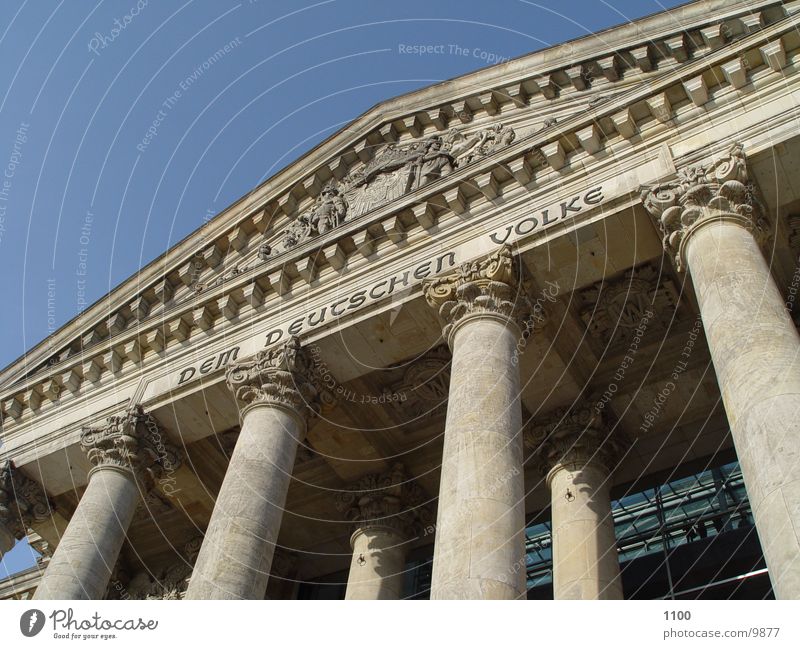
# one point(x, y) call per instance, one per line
point(497, 338)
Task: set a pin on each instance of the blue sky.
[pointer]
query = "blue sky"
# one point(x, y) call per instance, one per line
point(118, 138)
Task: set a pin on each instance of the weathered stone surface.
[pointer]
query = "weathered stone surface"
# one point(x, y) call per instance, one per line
point(22, 503)
point(128, 454)
point(717, 228)
point(578, 452)
point(276, 392)
point(480, 543)
point(387, 510)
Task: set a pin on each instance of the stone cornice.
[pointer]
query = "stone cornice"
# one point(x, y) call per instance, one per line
point(517, 164)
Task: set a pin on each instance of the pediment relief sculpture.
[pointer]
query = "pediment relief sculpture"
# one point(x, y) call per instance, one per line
point(395, 170)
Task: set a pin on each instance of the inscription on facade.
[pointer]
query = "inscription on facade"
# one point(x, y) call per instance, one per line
point(343, 305)
point(211, 364)
point(400, 282)
point(549, 216)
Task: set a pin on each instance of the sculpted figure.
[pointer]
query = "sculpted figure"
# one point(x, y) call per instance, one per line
point(466, 149)
point(434, 162)
point(330, 210)
point(394, 171)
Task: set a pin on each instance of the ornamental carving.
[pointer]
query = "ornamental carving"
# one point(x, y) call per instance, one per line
point(394, 171)
point(702, 193)
point(326, 214)
point(613, 311)
point(170, 583)
point(132, 442)
point(425, 385)
point(23, 502)
point(487, 286)
point(391, 499)
point(284, 376)
point(578, 435)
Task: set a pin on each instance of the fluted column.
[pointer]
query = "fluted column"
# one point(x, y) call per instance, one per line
point(577, 453)
point(127, 454)
point(275, 392)
point(23, 503)
point(480, 545)
point(714, 225)
point(384, 508)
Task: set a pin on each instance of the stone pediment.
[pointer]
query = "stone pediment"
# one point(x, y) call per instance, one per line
point(394, 169)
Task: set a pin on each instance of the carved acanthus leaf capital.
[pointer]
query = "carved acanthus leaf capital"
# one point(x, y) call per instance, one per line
point(485, 287)
point(131, 442)
point(389, 499)
point(703, 193)
point(283, 376)
point(576, 436)
point(23, 502)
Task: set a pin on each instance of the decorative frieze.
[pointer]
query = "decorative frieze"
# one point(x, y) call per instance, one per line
point(392, 172)
point(485, 287)
point(577, 435)
point(327, 213)
point(704, 193)
point(425, 385)
point(732, 61)
point(23, 502)
point(613, 311)
point(131, 442)
point(283, 376)
point(390, 499)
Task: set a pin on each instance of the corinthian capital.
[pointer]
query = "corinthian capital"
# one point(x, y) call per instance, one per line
point(391, 499)
point(576, 437)
point(485, 287)
point(131, 442)
point(720, 190)
point(23, 502)
point(283, 376)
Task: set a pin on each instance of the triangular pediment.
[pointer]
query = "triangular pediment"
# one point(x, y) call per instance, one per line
point(454, 141)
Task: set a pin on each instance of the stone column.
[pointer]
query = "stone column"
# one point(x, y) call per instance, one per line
point(714, 225)
point(480, 541)
point(385, 509)
point(275, 392)
point(126, 454)
point(22, 503)
point(577, 454)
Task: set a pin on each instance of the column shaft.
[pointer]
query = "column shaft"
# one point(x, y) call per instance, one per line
point(85, 557)
point(755, 348)
point(236, 556)
point(585, 561)
point(480, 543)
point(378, 564)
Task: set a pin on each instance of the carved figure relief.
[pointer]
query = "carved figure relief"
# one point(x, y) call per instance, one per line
point(394, 171)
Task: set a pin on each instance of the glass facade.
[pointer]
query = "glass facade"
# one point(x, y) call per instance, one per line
point(691, 537)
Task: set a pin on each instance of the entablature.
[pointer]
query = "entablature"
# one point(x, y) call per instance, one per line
point(169, 313)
